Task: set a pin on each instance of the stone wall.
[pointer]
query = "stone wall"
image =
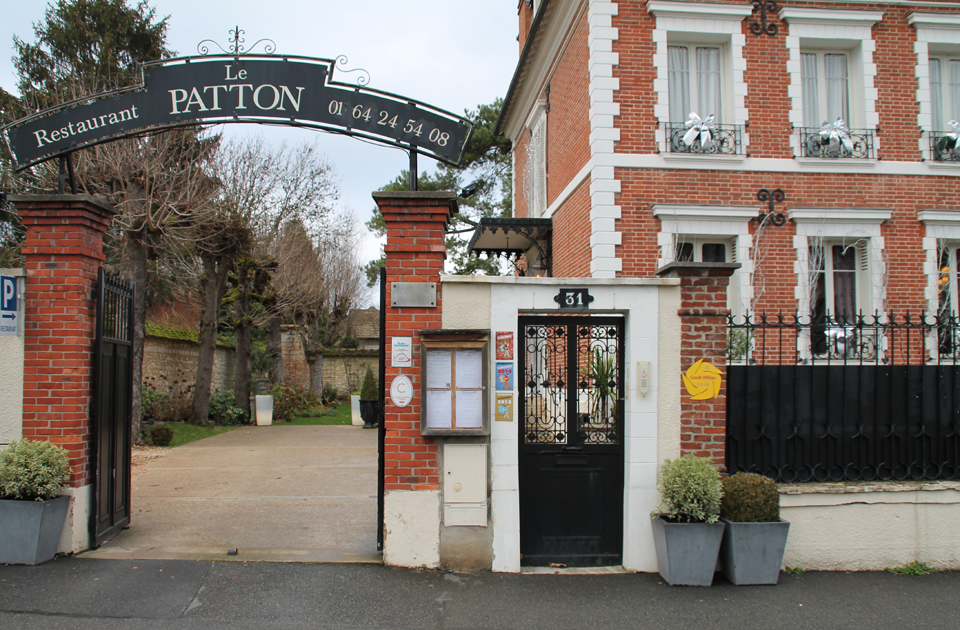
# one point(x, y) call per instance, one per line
point(342, 369)
point(170, 365)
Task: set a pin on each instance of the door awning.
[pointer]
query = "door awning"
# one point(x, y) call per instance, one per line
point(513, 238)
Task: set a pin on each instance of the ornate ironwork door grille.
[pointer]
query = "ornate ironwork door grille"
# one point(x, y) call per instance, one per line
point(571, 440)
point(113, 388)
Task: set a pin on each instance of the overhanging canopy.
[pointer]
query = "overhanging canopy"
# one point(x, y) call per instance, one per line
point(515, 237)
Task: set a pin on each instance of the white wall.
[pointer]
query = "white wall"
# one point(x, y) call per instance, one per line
point(871, 527)
point(11, 374)
point(464, 301)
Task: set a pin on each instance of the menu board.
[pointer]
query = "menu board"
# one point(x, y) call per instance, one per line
point(454, 382)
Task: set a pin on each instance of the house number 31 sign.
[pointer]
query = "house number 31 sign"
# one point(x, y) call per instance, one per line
point(573, 298)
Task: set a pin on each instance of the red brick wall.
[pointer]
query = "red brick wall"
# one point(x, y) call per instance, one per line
point(636, 72)
point(63, 250)
point(703, 318)
point(416, 225)
point(568, 123)
point(571, 235)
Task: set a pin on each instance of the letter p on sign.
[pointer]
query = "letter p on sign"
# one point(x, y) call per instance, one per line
point(8, 293)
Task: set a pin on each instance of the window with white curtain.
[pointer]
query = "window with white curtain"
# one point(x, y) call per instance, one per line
point(537, 167)
point(838, 271)
point(944, 91)
point(825, 81)
point(695, 82)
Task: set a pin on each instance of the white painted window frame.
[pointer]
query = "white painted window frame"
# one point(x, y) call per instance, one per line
point(728, 223)
point(941, 33)
point(537, 201)
point(704, 23)
point(837, 29)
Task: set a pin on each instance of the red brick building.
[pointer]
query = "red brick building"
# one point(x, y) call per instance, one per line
point(601, 108)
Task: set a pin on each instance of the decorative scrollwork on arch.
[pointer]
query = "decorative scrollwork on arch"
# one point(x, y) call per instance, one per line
point(341, 63)
point(236, 45)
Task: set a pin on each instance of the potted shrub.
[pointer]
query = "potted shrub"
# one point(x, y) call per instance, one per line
point(686, 527)
point(755, 536)
point(32, 514)
point(369, 401)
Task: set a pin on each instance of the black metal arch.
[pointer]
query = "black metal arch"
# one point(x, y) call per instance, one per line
point(250, 88)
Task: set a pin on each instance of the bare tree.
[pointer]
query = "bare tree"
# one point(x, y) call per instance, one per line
point(260, 190)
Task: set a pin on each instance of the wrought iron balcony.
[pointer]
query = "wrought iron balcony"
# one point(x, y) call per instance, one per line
point(815, 143)
point(945, 146)
point(726, 140)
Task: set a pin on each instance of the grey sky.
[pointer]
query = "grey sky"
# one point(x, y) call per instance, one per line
point(454, 54)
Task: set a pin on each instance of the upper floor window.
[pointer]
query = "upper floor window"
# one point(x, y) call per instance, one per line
point(696, 84)
point(699, 63)
point(537, 166)
point(938, 83)
point(944, 91)
point(832, 92)
point(826, 87)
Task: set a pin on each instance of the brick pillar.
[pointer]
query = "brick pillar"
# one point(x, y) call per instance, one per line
point(415, 252)
point(703, 333)
point(63, 250)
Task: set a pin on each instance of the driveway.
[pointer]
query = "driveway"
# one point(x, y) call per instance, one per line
point(276, 493)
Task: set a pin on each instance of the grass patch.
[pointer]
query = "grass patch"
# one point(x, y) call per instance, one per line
point(184, 433)
point(340, 415)
point(793, 570)
point(914, 568)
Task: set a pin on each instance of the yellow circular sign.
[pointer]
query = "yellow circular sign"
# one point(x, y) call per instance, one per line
point(703, 381)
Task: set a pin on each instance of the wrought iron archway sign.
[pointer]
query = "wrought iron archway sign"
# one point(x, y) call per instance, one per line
point(239, 88)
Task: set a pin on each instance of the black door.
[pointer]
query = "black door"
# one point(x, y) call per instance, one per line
point(571, 441)
point(113, 387)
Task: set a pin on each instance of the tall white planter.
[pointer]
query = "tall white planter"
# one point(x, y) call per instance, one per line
point(264, 410)
point(355, 418)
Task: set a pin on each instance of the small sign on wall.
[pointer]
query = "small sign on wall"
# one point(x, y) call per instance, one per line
point(9, 310)
point(504, 377)
point(505, 345)
point(401, 354)
point(703, 381)
point(504, 408)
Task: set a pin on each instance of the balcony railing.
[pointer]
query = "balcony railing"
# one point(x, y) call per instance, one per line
point(727, 140)
point(944, 146)
point(815, 144)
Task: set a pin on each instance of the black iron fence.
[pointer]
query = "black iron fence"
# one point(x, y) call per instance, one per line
point(873, 398)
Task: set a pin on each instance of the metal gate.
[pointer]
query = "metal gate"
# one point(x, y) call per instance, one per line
point(571, 441)
point(113, 387)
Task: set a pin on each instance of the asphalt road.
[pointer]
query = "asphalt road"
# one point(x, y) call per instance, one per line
point(79, 593)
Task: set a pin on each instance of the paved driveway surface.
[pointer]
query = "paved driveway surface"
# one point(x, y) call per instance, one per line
point(279, 493)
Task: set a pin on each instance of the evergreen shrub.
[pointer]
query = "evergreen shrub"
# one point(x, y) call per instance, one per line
point(750, 498)
point(33, 470)
point(224, 411)
point(368, 391)
point(161, 434)
point(690, 490)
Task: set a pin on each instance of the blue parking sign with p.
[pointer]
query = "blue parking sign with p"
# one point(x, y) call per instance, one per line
point(8, 305)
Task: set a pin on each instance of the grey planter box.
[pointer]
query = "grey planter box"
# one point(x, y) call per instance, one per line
point(30, 530)
point(753, 552)
point(687, 552)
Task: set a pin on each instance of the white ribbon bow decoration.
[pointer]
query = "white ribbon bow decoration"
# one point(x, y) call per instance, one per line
point(836, 134)
point(955, 135)
point(702, 127)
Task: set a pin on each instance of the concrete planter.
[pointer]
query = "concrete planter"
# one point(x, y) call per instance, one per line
point(370, 412)
point(753, 552)
point(355, 418)
point(30, 530)
point(264, 410)
point(687, 552)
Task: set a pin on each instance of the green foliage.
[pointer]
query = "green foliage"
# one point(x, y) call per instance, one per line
point(349, 342)
point(341, 415)
point(750, 498)
point(223, 410)
point(369, 391)
point(601, 370)
point(914, 568)
point(161, 434)
point(793, 570)
point(486, 162)
point(184, 433)
point(151, 401)
point(261, 361)
point(690, 490)
point(33, 470)
point(286, 402)
point(329, 394)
